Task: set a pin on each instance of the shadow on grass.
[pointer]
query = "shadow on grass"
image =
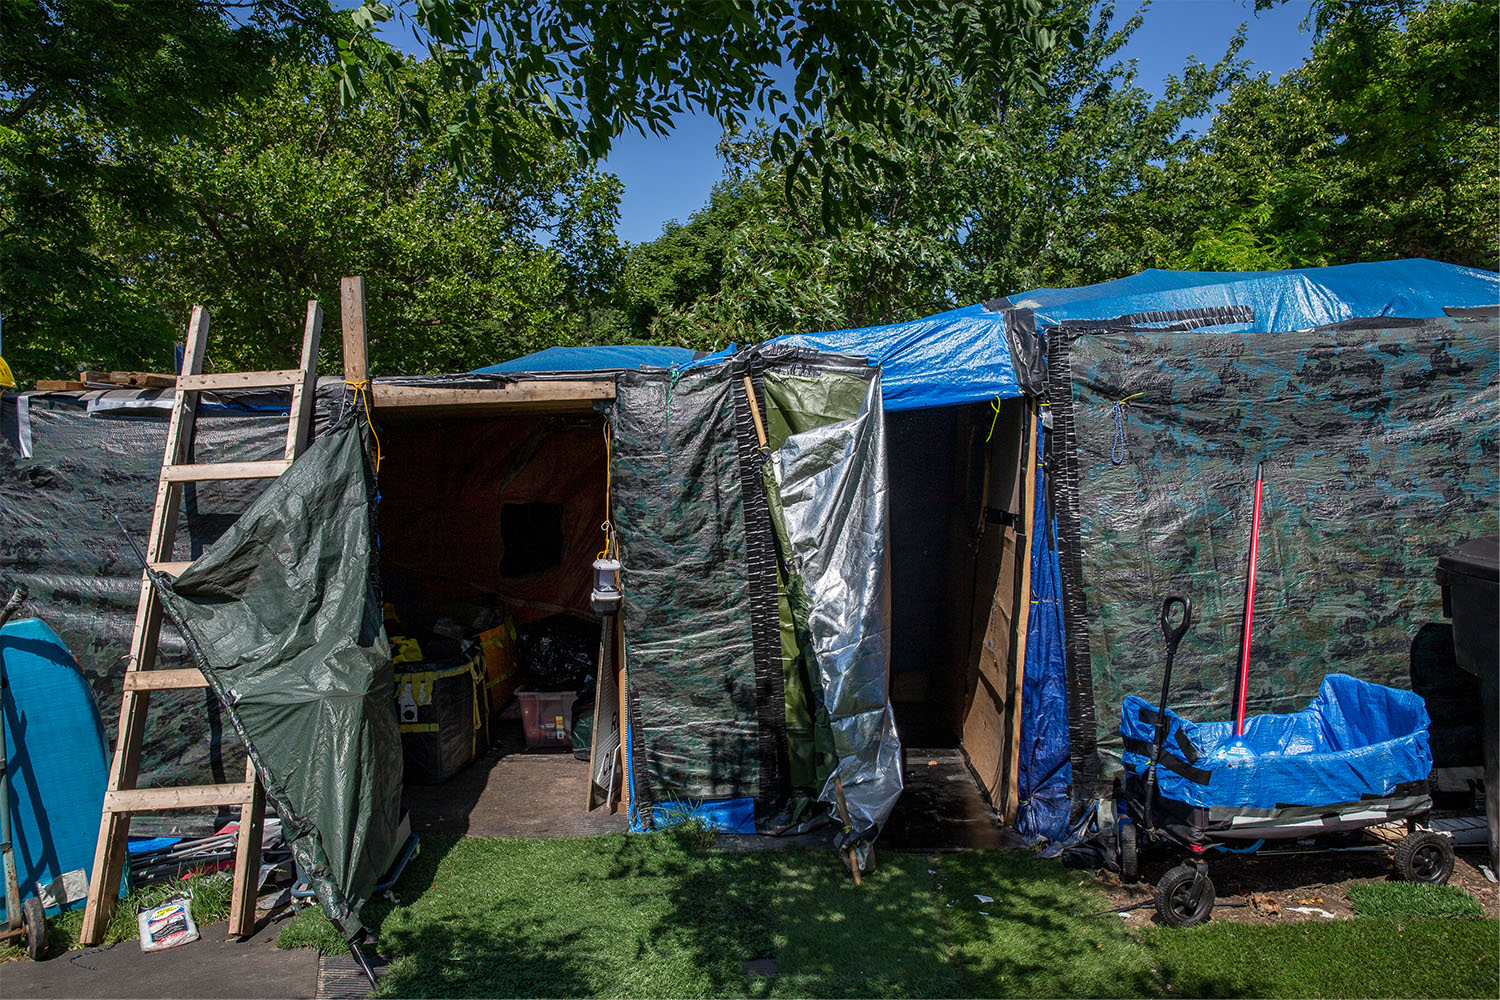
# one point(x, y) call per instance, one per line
point(599, 916)
point(1041, 935)
point(882, 939)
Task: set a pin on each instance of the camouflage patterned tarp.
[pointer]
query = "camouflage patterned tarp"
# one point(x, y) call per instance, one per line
point(57, 537)
point(679, 513)
point(1380, 444)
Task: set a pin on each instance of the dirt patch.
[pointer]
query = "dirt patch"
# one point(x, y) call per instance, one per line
point(1268, 889)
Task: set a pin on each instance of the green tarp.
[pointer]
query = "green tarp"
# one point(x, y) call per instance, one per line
point(283, 617)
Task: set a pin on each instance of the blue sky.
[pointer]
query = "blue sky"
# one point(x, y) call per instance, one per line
point(669, 177)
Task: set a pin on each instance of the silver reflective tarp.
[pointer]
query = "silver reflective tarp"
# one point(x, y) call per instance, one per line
point(833, 487)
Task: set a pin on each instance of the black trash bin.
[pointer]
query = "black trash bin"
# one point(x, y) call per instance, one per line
point(1470, 577)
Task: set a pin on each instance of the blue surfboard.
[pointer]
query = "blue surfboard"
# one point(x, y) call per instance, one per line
point(58, 763)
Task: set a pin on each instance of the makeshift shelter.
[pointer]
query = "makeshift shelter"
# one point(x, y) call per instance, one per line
point(958, 558)
point(1370, 390)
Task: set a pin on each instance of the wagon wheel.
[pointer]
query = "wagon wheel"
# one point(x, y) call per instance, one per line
point(1424, 857)
point(1185, 895)
point(1130, 870)
point(34, 918)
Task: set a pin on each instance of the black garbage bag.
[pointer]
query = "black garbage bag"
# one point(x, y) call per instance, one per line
point(558, 653)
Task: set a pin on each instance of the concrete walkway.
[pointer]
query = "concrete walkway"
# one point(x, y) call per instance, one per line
point(209, 967)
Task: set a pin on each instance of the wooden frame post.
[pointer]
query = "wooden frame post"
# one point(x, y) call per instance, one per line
point(356, 335)
point(1029, 461)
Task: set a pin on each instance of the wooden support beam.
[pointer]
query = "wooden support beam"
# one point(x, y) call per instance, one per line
point(129, 800)
point(240, 380)
point(214, 471)
point(136, 380)
point(540, 396)
point(304, 386)
point(59, 385)
point(356, 336)
point(164, 680)
point(1017, 677)
point(247, 850)
point(171, 568)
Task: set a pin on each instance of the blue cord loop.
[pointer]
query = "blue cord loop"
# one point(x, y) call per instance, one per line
point(1117, 450)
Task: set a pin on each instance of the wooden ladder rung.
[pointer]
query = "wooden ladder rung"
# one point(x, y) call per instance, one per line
point(133, 800)
point(164, 680)
point(240, 380)
point(212, 471)
point(170, 568)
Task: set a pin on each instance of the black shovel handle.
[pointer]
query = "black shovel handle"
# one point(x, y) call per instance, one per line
point(1171, 634)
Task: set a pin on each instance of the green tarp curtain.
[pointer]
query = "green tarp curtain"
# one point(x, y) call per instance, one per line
point(283, 617)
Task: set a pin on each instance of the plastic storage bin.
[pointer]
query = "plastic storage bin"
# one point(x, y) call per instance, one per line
point(548, 718)
point(1470, 577)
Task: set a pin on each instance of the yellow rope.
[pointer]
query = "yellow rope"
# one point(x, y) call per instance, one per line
point(607, 532)
point(994, 405)
point(362, 394)
point(1129, 398)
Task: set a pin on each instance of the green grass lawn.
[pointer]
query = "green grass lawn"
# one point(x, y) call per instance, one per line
point(648, 916)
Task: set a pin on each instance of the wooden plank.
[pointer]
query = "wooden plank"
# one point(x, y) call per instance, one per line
point(164, 680)
point(171, 568)
point(240, 380)
point(136, 800)
point(1017, 676)
point(304, 389)
point(541, 396)
point(136, 380)
point(247, 857)
point(356, 337)
point(984, 722)
point(208, 472)
point(620, 678)
point(59, 385)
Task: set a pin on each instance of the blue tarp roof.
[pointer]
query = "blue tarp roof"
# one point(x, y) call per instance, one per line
point(961, 356)
point(590, 359)
point(1282, 300)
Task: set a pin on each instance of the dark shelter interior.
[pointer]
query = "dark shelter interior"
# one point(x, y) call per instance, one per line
point(490, 522)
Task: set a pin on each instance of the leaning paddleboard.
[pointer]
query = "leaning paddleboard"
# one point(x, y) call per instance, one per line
point(58, 764)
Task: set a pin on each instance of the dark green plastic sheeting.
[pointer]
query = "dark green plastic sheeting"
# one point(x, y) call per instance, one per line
point(282, 615)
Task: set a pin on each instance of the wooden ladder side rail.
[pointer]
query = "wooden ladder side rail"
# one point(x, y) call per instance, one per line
point(123, 797)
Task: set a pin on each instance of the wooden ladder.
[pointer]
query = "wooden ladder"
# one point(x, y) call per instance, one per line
point(123, 797)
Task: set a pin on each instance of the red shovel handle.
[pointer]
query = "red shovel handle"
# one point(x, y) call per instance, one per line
point(1244, 675)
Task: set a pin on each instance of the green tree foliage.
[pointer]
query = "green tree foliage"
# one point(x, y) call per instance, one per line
point(595, 70)
point(1383, 144)
point(74, 79)
point(279, 195)
point(1036, 186)
point(91, 93)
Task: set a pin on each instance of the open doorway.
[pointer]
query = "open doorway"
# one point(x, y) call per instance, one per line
point(957, 543)
point(488, 525)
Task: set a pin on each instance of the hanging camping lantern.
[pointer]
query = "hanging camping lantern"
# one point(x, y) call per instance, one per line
point(605, 599)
